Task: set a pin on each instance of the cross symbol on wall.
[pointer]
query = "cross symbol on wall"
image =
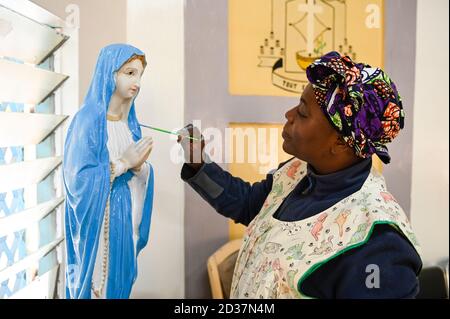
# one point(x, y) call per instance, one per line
point(310, 8)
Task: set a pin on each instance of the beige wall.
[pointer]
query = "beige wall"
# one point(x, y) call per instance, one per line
point(157, 28)
point(102, 22)
point(430, 175)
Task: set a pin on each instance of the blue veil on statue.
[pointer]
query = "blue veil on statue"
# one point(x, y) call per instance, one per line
point(86, 172)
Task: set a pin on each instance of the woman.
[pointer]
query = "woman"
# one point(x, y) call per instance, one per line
point(323, 225)
point(109, 186)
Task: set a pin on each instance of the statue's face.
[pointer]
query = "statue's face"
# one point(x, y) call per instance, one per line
point(128, 79)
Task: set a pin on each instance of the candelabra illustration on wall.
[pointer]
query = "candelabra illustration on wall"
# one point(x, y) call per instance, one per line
point(300, 32)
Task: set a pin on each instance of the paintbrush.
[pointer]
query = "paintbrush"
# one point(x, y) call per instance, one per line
point(168, 132)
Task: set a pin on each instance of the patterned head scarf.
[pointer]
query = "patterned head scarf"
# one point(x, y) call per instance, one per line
point(361, 103)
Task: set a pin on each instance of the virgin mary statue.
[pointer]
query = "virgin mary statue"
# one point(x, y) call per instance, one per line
point(108, 183)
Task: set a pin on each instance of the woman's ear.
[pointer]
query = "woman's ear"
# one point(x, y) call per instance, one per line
point(339, 145)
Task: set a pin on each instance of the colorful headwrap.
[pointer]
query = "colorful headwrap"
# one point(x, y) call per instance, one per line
point(361, 102)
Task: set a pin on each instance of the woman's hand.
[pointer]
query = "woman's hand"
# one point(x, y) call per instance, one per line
point(137, 153)
point(193, 149)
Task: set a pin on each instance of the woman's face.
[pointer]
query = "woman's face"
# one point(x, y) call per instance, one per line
point(307, 133)
point(128, 79)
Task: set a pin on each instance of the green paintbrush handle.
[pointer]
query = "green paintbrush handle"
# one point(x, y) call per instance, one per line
point(167, 132)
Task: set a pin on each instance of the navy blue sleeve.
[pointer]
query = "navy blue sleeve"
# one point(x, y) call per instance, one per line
point(351, 274)
point(230, 196)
